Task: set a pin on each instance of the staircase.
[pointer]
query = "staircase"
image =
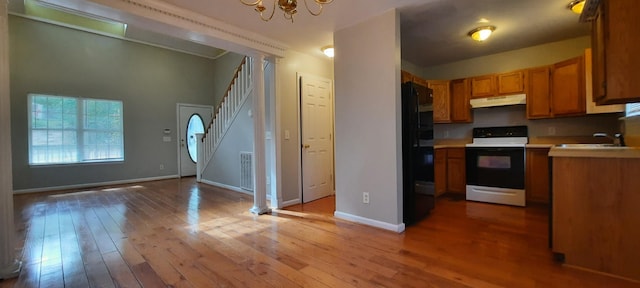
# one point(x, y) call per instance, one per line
point(237, 93)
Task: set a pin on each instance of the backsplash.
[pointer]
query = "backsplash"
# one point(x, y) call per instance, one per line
point(631, 127)
point(516, 115)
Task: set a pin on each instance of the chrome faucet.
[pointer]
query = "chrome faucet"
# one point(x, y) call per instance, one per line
point(618, 139)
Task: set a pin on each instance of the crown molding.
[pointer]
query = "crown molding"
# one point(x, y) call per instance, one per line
point(178, 22)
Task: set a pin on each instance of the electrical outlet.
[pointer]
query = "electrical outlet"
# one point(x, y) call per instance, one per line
point(551, 130)
point(161, 166)
point(446, 133)
point(365, 197)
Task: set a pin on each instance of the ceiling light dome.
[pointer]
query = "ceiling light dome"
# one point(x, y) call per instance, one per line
point(576, 6)
point(328, 50)
point(481, 33)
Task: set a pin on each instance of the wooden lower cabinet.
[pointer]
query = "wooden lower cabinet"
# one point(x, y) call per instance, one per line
point(440, 171)
point(450, 171)
point(595, 216)
point(537, 175)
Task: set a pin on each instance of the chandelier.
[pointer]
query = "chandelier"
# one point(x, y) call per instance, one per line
point(289, 7)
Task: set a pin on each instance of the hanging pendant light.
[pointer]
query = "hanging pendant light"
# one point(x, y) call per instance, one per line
point(288, 7)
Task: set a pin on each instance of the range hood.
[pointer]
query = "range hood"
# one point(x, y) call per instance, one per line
point(515, 99)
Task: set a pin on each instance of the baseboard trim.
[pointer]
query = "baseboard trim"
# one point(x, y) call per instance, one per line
point(225, 186)
point(291, 202)
point(93, 185)
point(399, 228)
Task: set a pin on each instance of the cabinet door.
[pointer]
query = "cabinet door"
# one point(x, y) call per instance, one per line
point(537, 175)
point(456, 171)
point(592, 108)
point(598, 67)
point(423, 98)
point(441, 101)
point(460, 107)
point(620, 22)
point(440, 171)
point(406, 76)
point(511, 83)
point(567, 87)
point(483, 86)
point(538, 98)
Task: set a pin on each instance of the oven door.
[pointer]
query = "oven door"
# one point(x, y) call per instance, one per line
point(501, 167)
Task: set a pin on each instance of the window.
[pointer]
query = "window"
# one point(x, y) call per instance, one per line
point(74, 130)
point(633, 109)
point(195, 125)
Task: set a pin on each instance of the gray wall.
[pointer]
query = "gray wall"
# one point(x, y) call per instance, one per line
point(367, 121)
point(222, 75)
point(150, 81)
point(287, 92)
point(224, 168)
point(529, 57)
point(534, 56)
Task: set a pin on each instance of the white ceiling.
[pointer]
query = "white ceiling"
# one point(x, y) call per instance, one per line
point(433, 31)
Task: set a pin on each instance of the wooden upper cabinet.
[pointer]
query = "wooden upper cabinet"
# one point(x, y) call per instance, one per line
point(405, 76)
point(483, 86)
point(538, 97)
point(616, 59)
point(511, 83)
point(568, 88)
point(460, 107)
point(441, 101)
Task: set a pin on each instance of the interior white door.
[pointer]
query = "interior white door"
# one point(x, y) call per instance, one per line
point(316, 137)
point(192, 119)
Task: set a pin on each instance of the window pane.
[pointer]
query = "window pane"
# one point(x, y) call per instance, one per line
point(55, 131)
point(195, 125)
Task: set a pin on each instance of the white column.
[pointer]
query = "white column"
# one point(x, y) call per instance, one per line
point(259, 157)
point(9, 266)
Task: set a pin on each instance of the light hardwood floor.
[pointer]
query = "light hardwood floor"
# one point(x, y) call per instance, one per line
point(178, 233)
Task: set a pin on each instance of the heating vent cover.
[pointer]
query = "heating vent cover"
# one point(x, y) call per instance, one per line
point(246, 171)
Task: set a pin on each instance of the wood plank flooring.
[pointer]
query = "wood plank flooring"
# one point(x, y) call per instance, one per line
point(177, 233)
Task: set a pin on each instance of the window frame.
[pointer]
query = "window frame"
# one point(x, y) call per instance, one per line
point(80, 130)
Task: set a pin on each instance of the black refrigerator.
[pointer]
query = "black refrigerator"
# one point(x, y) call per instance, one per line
point(417, 152)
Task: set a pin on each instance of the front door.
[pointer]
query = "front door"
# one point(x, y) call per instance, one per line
point(316, 137)
point(192, 119)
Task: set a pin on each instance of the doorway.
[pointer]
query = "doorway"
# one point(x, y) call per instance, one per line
point(316, 116)
point(192, 119)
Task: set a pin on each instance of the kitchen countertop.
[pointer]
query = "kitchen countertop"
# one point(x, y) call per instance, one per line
point(595, 152)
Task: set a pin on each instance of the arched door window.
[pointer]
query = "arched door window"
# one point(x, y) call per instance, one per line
point(194, 126)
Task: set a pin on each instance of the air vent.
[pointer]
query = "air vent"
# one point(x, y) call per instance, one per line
point(246, 171)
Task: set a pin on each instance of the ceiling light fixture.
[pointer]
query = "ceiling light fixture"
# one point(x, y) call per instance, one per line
point(576, 6)
point(481, 33)
point(328, 50)
point(289, 7)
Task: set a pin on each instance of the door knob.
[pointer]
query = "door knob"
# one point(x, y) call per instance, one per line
point(306, 146)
